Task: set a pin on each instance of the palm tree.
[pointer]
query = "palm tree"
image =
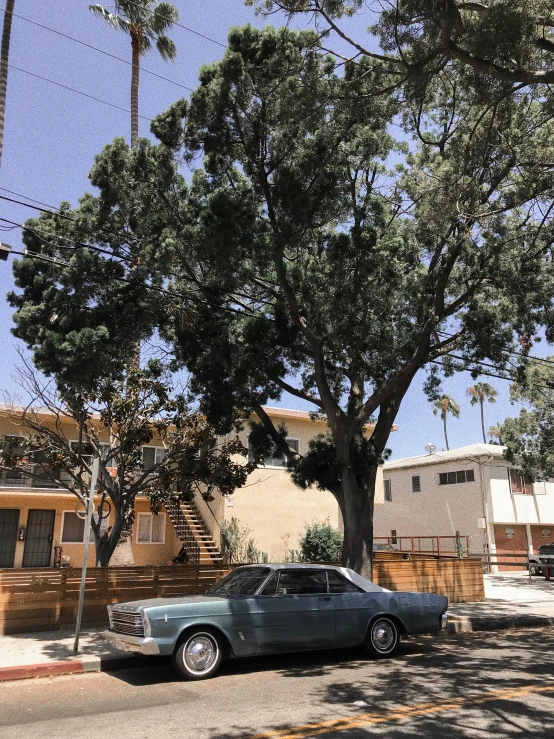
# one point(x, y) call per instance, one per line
point(478, 393)
point(446, 405)
point(4, 59)
point(495, 432)
point(145, 21)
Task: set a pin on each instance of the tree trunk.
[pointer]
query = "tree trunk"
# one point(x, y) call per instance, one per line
point(135, 45)
point(483, 421)
point(4, 58)
point(106, 545)
point(357, 512)
point(445, 434)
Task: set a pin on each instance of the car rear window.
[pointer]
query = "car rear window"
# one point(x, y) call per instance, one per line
point(339, 584)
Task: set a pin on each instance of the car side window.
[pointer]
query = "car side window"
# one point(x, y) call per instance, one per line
point(339, 584)
point(270, 587)
point(303, 582)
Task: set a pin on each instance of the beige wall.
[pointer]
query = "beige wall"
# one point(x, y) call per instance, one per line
point(272, 506)
point(144, 554)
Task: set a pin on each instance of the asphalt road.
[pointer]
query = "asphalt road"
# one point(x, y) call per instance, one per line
point(473, 685)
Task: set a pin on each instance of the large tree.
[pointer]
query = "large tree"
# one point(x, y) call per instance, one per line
point(145, 21)
point(529, 437)
point(61, 435)
point(311, 254)
point(496, 39)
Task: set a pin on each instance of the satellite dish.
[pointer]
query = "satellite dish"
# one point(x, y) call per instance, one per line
point(430, 448)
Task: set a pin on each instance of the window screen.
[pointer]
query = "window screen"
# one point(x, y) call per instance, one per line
point(339, 584)
point(416, 484)
point(388, 491)
point(280, 460)
point(73, 528)
point(303, 582)
point(151, 456)
point(456, 477)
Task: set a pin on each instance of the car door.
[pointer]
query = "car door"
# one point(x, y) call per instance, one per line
point(295, 611)
point(353, 609)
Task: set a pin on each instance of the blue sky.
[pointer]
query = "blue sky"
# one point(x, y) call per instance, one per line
point(52, 135)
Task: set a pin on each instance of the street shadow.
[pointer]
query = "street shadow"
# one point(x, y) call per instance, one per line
point(457, 667)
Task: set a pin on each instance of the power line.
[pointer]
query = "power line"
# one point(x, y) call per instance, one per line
point(72, 89)
point(101, 51)
point(187, 28)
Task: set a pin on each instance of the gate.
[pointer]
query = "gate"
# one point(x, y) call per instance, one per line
point(9, 523)
point(38, 539)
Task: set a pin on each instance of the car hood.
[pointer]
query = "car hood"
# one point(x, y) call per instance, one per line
point(176, 600)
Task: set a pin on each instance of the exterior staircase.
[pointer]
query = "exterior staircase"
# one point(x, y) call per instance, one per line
point(193, 534)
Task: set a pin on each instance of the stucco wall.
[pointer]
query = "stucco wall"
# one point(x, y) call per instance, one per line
point(144, 554)
point(438, 510)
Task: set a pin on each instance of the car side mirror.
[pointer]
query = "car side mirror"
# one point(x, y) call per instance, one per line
point(280, 592)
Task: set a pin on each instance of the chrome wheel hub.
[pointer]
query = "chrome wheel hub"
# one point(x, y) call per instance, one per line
point(200, 653)
point(383, 635)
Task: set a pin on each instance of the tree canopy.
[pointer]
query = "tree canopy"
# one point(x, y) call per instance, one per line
point(311, 252)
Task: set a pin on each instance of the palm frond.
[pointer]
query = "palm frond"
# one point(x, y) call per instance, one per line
point(115, 21)
point(166, 47)
point(165, 15)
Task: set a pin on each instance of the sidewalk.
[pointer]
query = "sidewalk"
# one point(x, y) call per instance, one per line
point(51, 653)
point(513, 601)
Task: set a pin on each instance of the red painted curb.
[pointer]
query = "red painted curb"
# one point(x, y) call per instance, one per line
point(47, 668)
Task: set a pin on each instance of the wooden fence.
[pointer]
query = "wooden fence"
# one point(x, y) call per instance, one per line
point(44, 599)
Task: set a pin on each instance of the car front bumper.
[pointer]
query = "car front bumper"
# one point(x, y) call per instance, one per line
point(127, 643)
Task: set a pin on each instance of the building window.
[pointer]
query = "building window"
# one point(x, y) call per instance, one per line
point(73, 527)
point(87, 452)
point(280, 460)
point(510, 533)
point(416, 484)
point(393, 539)
point(519, 484)
point(388, 491)
point(546, 533)
point(151, 528)
point(151, 456)
point(454, 478)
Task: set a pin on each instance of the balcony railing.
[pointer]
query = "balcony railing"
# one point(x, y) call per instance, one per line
point(33, 476)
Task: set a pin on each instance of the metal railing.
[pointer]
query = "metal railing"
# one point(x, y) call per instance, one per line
point(32, 476)
point(426, 544)
point(184, 531)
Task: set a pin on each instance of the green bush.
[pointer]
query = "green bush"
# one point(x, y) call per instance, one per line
point(321, 543)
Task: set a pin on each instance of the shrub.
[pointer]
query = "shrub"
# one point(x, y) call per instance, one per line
point(321, 543)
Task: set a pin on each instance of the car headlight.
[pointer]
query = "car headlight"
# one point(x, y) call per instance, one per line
point(444, 620)
point(145, 624)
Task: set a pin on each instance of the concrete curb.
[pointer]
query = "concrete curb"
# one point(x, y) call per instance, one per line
point(463, 624)
point(88, 663)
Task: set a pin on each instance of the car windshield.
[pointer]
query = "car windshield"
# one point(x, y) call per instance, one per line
point(240, 582)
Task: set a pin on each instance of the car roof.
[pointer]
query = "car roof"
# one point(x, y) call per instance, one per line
point(358, 580)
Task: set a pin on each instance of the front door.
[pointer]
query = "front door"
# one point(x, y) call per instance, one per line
point(38, 539)
point(9, 523)
point(295, 611)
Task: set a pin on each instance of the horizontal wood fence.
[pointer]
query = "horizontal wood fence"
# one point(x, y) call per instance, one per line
point(45, 599)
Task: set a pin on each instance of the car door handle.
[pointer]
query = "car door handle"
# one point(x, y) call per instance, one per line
point(325, 599)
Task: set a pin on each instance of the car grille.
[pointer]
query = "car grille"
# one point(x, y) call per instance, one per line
point(126, 622)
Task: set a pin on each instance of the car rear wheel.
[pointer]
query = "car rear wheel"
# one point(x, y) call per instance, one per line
point(533, 570)
point(198, 655)
point(382, 638)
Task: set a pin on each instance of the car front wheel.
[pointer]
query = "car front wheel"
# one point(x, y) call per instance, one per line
point(382, 638)
point(198, 655)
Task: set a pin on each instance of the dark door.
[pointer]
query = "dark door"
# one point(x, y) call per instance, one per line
point(9, 523)
point(297, 613)
point(38, 539)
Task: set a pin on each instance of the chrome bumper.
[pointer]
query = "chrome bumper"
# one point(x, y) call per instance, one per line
point(444, 620)
point(128, 643)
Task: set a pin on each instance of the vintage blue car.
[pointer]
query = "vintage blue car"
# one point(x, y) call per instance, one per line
point(265, 609)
